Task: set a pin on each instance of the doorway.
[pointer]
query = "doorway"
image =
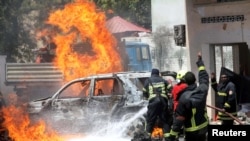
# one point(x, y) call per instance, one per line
point(234, 57)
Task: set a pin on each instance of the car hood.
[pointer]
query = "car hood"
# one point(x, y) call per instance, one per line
point(37, 105)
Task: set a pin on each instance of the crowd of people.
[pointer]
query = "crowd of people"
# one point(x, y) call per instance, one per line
point(187, 113)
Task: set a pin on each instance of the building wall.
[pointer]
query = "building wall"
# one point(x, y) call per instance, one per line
point(167, 13)
point(200, 35)
point(6, 90)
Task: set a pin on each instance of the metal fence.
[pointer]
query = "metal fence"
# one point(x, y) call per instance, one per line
point(32, 72)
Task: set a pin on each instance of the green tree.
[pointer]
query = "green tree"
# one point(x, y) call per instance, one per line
point(9, 32)
point(18, 20)
point(136, 11)
point(2, 26)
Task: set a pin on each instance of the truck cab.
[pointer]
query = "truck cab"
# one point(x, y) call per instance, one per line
point(139, 58)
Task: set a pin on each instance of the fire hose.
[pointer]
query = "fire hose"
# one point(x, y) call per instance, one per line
point(223, 111)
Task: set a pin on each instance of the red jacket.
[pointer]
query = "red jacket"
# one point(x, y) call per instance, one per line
point(177, 89)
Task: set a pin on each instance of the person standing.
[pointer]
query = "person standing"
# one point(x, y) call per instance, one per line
point(177, 90)
point(191, 110)
point(156, 90)
point(226, 98)
point(179, 87)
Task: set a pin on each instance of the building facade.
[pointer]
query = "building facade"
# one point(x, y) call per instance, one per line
point(220, 29)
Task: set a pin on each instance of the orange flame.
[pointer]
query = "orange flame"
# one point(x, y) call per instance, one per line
point(20, 127)
point(84, 45)
point(157, 132)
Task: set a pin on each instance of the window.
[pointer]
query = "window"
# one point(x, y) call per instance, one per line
point(138, 53)
point(108, 86)
point(223, 57)
point(78, 89)
point(145, 53)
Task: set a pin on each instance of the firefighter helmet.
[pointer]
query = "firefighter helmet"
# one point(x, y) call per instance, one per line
point(180, 75)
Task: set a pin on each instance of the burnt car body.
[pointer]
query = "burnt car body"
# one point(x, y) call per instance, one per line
point(93, 101)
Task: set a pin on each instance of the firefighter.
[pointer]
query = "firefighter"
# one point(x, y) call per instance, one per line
point(155, 90)
point(191, 111)
point(225, 98)
point(179, 87)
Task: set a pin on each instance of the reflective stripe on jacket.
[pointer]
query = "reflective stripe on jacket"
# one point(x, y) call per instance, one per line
point(156, 85)
point(191, 109)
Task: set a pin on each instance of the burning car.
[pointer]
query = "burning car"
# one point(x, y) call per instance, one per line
point(88, 103)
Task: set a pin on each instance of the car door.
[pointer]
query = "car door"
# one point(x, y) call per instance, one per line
point(71, 103)
point(108, 92)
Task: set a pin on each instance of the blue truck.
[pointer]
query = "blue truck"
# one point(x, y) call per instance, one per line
point(139, 58)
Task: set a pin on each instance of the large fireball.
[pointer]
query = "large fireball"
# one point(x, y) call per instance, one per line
point(84, 44)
